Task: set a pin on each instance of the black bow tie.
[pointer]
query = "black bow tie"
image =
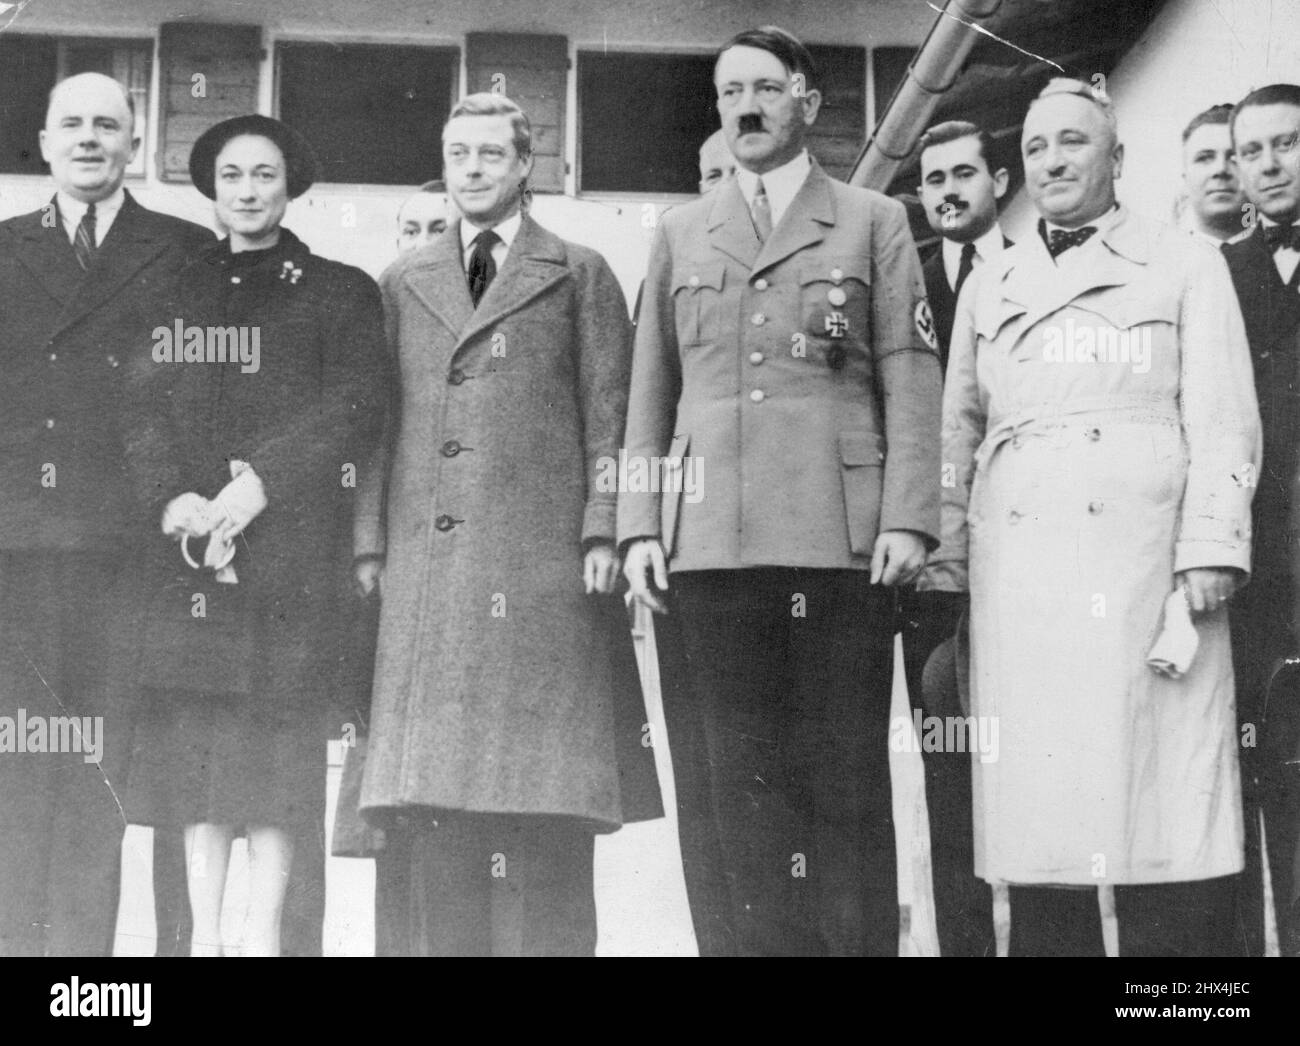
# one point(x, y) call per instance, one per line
point(1059, 240)
point(1279, 236)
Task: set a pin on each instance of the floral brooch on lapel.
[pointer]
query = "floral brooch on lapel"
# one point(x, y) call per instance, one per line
point(290, 272)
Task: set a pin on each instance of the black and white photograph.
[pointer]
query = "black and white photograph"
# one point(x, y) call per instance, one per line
point(651, 479)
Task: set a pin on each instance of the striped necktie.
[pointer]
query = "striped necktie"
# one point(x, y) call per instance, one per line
point(84, 240)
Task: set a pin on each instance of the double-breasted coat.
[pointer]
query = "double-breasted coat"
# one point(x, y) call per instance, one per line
point(1102, 433)
point(796, 381)
point(69, 530)
point(500, 686)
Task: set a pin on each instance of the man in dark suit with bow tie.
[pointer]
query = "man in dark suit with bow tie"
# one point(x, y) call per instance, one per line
point(959, 190)
point(1266, 271)
point(82, 281)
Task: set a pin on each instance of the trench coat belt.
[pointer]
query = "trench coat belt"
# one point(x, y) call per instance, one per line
point(1041, 419)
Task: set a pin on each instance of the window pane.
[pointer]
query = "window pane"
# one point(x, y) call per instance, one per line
point(27, 72)
point(373, 114)
point(643, 119)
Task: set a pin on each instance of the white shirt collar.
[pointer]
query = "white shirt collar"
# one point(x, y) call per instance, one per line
point(72, 210)
point(782, 184)
point(507, 231)
point(988, 247)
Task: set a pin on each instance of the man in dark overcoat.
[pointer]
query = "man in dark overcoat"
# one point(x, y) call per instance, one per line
point(81, 281)
point(507, 725)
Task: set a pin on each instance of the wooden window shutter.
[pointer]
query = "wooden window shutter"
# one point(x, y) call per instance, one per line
point(841, 127)
point(532, 71)
point(228, 59)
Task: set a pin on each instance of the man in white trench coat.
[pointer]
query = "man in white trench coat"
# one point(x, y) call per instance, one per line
point(1101, 441)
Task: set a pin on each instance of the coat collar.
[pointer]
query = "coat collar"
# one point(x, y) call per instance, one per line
point(731, 229)
point(1031, 278)
point(1270, 308)
point(133, 241)
point(436, 276)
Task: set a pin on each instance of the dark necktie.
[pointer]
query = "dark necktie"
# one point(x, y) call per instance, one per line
point(964, 269)
point(482, 269)
point(1279, 236)
point(83, 242)
point(1059, 240)
point(761, 209)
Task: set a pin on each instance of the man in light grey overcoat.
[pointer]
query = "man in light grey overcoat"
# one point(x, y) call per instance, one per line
point(507, 722)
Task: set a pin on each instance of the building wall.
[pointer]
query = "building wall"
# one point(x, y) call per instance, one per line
point(357, 224)
point(1195, 54)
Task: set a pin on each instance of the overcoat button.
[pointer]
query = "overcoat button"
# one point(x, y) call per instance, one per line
point(444, 523)
point(758, 319)
point(49, 423)
point(455, 376)
point(837, 275)
point(53, 356)
point(694, 281)
point(450, 449)
point(1013, 517)
point(1094, 508)
point(760, 284)
point(756, 395)
point(1094, 434)
point(1016, 442)
point(755, 358)
point(234, 279)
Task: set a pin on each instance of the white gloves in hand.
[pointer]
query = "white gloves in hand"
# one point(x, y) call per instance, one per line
point(224, 518)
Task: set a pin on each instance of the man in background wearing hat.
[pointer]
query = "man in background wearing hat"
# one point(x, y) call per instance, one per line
point(786, 370)
point(82, 280)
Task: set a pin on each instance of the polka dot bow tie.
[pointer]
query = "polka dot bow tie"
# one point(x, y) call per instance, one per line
point(1059, 240)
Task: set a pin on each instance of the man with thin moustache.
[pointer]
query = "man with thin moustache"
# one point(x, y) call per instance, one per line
point(423, 216)
point(960, 191)
point(82, 281)
point(1097, 500)
point(507, 716)
point(785, 345)
point(1266, 272)
point(1214, 199)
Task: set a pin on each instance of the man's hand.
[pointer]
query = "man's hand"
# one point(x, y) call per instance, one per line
point(600, 568)
point(898, 557)
point(1208, 588)
point(641, 558)
point(368, 576)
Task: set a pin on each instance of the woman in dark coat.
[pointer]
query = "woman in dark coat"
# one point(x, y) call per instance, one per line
point(254, 458)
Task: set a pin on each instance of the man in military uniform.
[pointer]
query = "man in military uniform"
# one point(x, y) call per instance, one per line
point(786, 366)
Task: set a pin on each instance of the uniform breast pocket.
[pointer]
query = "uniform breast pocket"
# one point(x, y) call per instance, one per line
point(697, 302)
point(835, 303)
point(862, 461)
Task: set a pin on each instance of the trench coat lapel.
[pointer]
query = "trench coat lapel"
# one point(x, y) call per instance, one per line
point(804, 223)
point(440, 284)
point(1036, 283)
point(536, 261)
